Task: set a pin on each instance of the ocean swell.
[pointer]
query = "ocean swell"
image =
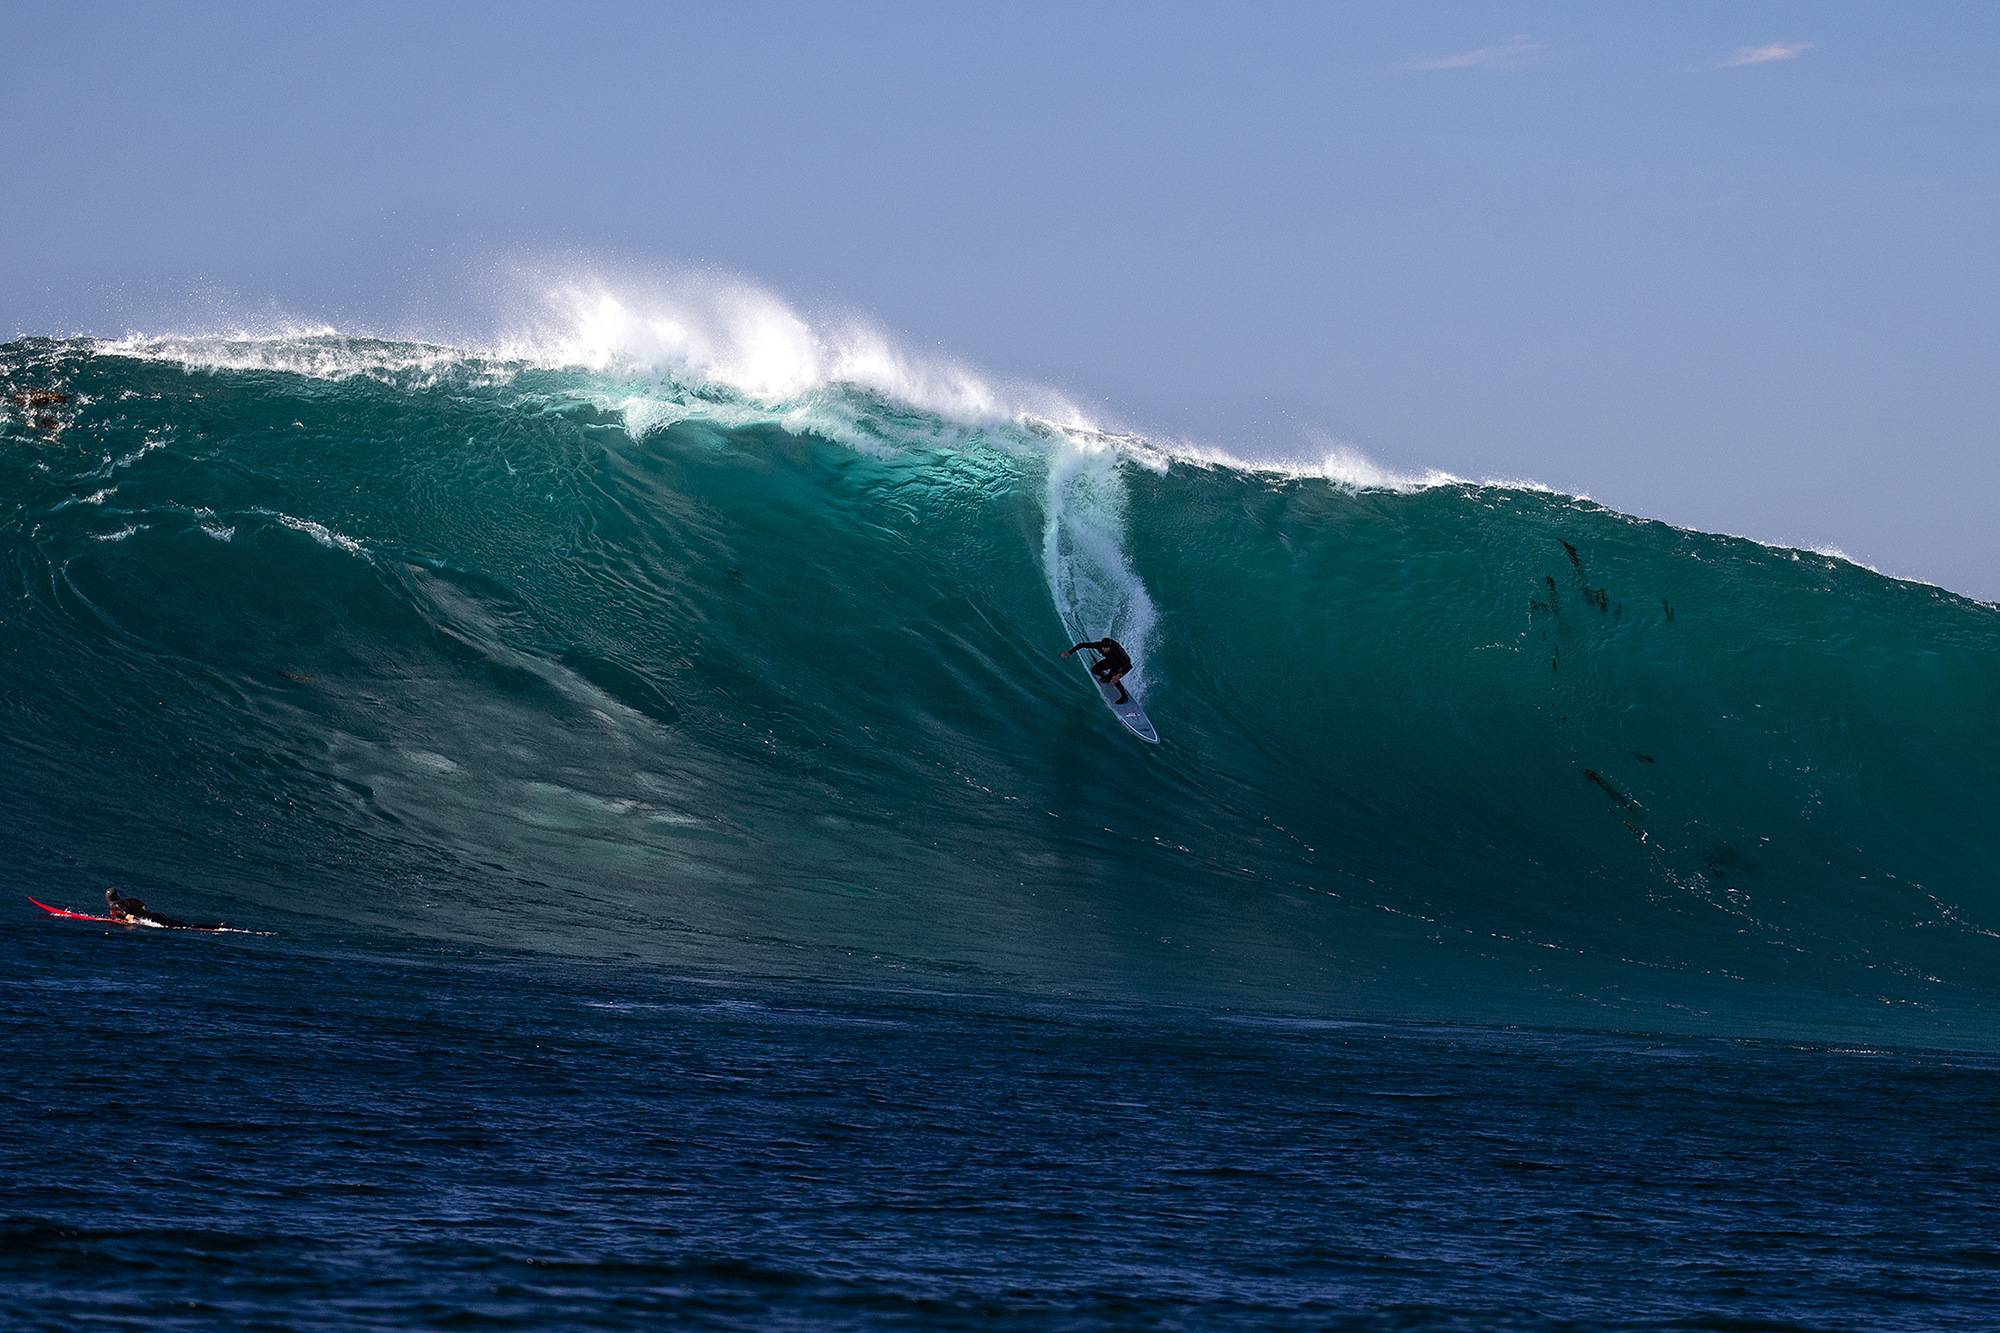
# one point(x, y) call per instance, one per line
point(735, 644)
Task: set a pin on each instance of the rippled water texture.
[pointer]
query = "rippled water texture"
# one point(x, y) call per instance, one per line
point(207, 1133)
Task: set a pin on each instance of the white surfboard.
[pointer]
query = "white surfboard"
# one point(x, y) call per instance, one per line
point(1133, 716)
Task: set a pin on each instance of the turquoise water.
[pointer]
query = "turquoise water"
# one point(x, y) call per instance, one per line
point(320, 633)
point(683, 885)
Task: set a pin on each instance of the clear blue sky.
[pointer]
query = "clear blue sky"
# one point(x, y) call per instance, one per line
point(1730, 265)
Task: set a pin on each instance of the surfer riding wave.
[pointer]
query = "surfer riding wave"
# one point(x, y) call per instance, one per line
point(1112, 664)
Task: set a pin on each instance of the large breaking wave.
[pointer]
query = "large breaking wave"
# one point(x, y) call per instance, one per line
point(720, 639)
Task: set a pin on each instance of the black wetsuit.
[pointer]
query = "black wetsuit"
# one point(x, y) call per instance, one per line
point(1113, 662)
point(131, 909)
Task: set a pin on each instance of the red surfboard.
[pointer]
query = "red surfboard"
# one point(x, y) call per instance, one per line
point(78, 916)
point(119, 921)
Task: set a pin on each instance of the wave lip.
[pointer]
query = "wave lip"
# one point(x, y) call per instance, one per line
point(747, 340)
point(697, 344)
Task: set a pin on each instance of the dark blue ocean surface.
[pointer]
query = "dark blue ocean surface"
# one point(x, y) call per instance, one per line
point(242, 1132)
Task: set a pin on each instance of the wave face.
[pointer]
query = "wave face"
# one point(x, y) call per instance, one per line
point(324, 633)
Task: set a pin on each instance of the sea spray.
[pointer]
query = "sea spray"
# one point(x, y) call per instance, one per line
point(1096, 592)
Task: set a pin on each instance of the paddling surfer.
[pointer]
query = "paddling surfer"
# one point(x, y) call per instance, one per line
point(135, 913)
point(1112, 664)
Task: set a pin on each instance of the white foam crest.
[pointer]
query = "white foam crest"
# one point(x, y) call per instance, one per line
point(315, 352)
point(726, 349)
point(1096, 591)
point(706, 333)
point(1835, 553)
point(1342, 464)
point(1348, 467)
